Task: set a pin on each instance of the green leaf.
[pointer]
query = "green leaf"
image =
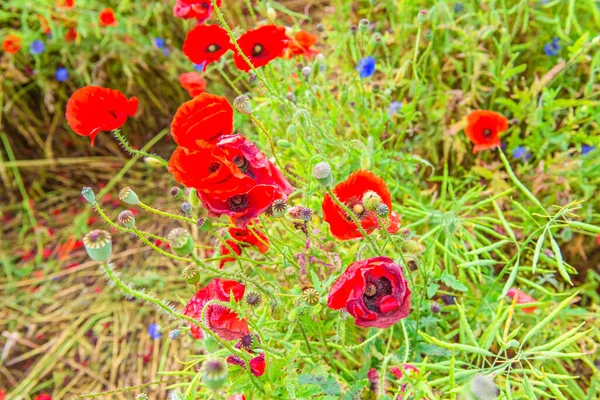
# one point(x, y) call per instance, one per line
point(329, 385)
point(432, 290)
point(450, 280)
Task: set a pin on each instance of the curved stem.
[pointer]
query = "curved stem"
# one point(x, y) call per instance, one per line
point(131, 150)
point(166, 214)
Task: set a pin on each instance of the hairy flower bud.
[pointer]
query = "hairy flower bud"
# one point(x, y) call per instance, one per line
point(88, 195)
point(322, 173)
point(175, 192)
point(191, 274)
point(186, 208)
point(181, 241)
point(243, 105)
point(414, 247)
point(204, 224)
point(193, 198)
point(435, 308)
point(98, 245)
point(210, 344)
point(214, 372)
point(153, 162)
point(129, 196)
point(371, 200)
point(126, 218)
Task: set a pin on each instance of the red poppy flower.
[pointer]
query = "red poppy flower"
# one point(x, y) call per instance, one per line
point(11, 44)
point(44, 25)
point(253, 237)
point(522, 298)
point(373, 291)
point(261, 46)
point(199, 9)
point(204, 118)
point(301, 45)
point(71, 35)
point(484, 129)
point(107, 17)
point(193, 82)
point(224, 251)
point(43, 397)
point(373, 377)
point(219, 319)
point(351, 192)
point(237, 397)
point(92, 109)
point(257, 364)
point(66, 4)
point(206, 44)
point(409, 369)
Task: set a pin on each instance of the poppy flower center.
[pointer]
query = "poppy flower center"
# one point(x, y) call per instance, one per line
point(257, 50)
point(241, 163)
point(214, 167)
point(374, 290)
point(487, 132)
point(238, 203)
point(212, 48)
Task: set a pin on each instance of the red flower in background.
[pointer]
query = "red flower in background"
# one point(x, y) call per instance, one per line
point(261, 46)
point(522, 298)
point(11, 44)
point(409, 369)
point(92, 109)
point(199, 9)
point(71, 35)
point(373, 291)
point(351, 192)
point(206, 44)
point(66, 4)
point(43, 397)
point(484, 129)
point(224, 251)
point(257, 364)
point(44, 25)
point(219, 319)
point(204, 118)
point(253, 237)
point(234, 397)
point(193, 82)
point(301, 45)
point(107, 17)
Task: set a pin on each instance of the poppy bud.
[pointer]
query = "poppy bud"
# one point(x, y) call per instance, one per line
point(292, 315)
point(382, 210)
point(191, 274)
point(153, 161)
point(127, 219)
point(306, 71)
point(284, 143)
point(88, 195)
point(181, 241)
point(193, 198)
point(128, 196)
point(363, 24)
point(322, 173)
point(214, 372)
point(484, 388)
point(320, 28)
point(310, 295)
point(292, 130)
point(371, 200)
point(186, 208)
point(252, 298)
point(175, 192)
point(210, 344)
point(204, 224)
point(174, 334)
point(271, 13)
point(278, 208)
point(414, 247)
point(243, 105)
point(277, 311)
point(422, 16)
point(98, 245)
point(290, 97)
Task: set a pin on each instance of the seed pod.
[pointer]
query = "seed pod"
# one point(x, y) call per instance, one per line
point(371, 200)
point(278, 208)
point(382, 210)
point(322, 173)
point(310, 295)
point(191, 274)
point(214, 372)
point(181, 241)
point(129, 196)
point(243, 105)
point(126, 218)
point(98, 245)
point(88, 195)
point(186, 208)
point(252, 298)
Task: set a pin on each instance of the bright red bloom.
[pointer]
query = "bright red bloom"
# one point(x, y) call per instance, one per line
point(206, 44)
point(43, 397)
point(66, 4)
point(409, 369)
point(204, 118)
point(71, 35)
point(257, 364)
point(92, 109)
point(350, 192)
point(237, 397)
point(253, 237)
point(193, 82)
point(261, 46)
point(301, 45)
point(522, 298)
point(44, 25)
point(11, 44)
point(199, 9)
point(224, 251)
point(219, 319)
point(373, 291)
point(107, 17)
point(484, 129)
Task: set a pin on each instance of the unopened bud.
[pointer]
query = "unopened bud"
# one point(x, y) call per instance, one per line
point(204, 224)
point(306, 71)
point(98, 245)
point(174, 334)
point(371, 200)
point(435, 308)
point(320, 28)
point(414, 247)
point(363, 24)
point(277, 311)
point(191, 274)
point(127, 219)
point(322, 173)
point(283, 144)
point(210, 344)
point(193, 198)
point(243, 105)
point(129, 196)
point(422, 16)
point(153, 162)
point(181, 241)
point(320, 58)
point(290, 97)
point(271, 13)
point(186, 208)
point(292, 130)
point(88, 195)
point(214, 372)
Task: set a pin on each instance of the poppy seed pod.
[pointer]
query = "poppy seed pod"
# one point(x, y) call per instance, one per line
point(363, 25)
point(382, 210)
point(129, 196)
point(98, 245)
point(243, 105)
point(278, 208)
point(88, 195)
point(181, 241)
point(175, 192)
point(310, 295)
point(186, 208)
point(252, 298)
point(214, 372)
point(322, 173)
point(204, 224)
point(371, 200)
point(126, 218)
point(191, 274)
point(305, 214)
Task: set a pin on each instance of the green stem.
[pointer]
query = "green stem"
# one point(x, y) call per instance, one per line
point(518, 183)
point(166, 214)
point(131, 150)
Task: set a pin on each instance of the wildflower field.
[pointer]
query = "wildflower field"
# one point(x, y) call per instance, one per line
point(294, 199)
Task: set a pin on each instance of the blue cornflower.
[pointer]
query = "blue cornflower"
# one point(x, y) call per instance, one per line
point(154, 331)
point(200, 67)
point(37, 47)
point(394, 107)
point(521, 153)
point(61, 74)
point(586, 149)
point(551, 49)
point(366, 67)
point(159, 42)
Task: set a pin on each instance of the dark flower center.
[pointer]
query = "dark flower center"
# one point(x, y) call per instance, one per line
point(247, 341)
point(241, 163)
point(214, 167)
point(374, 290)
point(487, 132)
point(238, 203)
point(257, 50)
point(212, 48)
point(357, 209)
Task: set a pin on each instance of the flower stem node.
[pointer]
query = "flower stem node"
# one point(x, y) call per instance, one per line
point(210, 344)
point(371, 200)
point(126, 218)
point(214, 372)
point(322, 173)
point(191, 274)
point(243, 105)
point(181, 241)
point(382, 210)
point(174, 334)
point(98, 245)
point(129, 196)
point(204, 224)
point(88, 195)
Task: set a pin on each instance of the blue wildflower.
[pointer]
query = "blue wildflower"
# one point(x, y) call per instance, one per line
point(394, 107)
point(37, 47)
point(586, 149)
point(551, 49)
point(366, 67)
point(458, 7)
point(521, 153)
point(154, 331)
point(61, 74)
point(159, 42)
point(200, 67)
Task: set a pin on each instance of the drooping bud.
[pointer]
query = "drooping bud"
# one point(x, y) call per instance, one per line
point(174, 334)
point(278, 208)
point(243, 105)
point(88, 195)
point(193, 198)
point(98, 245)
point(483, 387)
point(382, 210)
point(371, 200)
point(175, 192)
point(129, 196)
point(310, 295)
point(204, 224)
point(322, 173)
point(214, 372)
point(210, 344)
point(191, 274)
point(252, 298)
point(126, 218)
point(181, 241)
point(153, 162)
point(186, 208)
point(363, 24)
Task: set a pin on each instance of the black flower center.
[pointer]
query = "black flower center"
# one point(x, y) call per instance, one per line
point(238, 203)
point(214, 167)
point(212, 48)
point(374, 290)
point(487, 132)
point(257, 50)
point(241, 163)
